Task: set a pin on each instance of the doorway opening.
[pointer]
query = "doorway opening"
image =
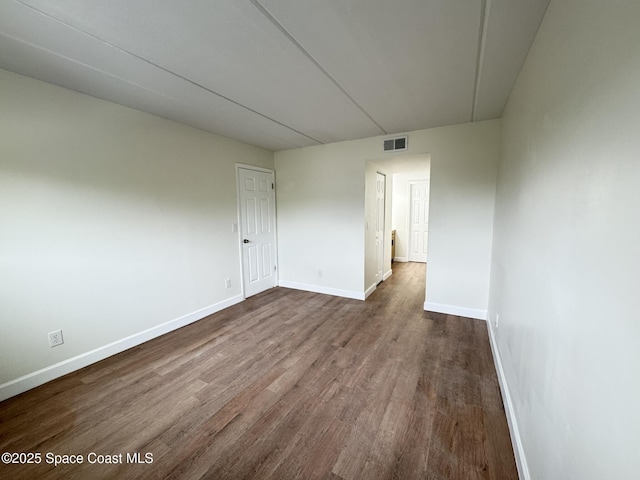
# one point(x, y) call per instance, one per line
point(406, 214)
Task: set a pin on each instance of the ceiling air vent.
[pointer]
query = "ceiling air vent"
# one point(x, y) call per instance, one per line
point(396, 144)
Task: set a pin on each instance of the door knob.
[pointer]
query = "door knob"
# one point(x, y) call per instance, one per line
point(245, 241)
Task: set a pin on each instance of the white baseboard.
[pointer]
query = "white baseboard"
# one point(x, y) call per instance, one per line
point(37, 378)
point(516, 440)
point(326, 290)
point(454, 310)
point(370, 290)
point(400, 259)
point(387, 275)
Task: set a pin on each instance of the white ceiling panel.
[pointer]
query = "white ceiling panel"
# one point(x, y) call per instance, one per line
point(407, 63)
point(280, 73)
point(230, 120)
point(96, 68)
point(229, 47)
point(510, 30)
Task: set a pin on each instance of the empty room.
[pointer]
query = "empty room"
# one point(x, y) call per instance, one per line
point(269, 239)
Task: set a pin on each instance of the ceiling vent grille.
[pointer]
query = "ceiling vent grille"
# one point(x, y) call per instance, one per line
point(396, 144)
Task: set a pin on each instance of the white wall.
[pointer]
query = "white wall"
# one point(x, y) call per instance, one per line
point(113, 222)
point(320, 201)
point(321, 214)
point(567, 244)
point(462, 192)
point(402, 205)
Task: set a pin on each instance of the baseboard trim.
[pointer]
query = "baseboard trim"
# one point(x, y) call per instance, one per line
point(387, 275)
point(44, 375)
point(454, 310)
point(325, 290)
point(400, 259)
point(369, 291)
point(516, 439)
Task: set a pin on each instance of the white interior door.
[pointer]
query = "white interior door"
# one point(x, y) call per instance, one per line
point(258, 229)
point(419, 221)
point(380, 189)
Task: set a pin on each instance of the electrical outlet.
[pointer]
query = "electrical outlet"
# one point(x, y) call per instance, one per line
point(497, 320)
point(227, 283)
point(55, 338)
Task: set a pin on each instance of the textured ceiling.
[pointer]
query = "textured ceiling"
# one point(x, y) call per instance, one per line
point(280, 73)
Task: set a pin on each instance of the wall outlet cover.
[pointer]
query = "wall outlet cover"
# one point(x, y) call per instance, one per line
point(55, 338)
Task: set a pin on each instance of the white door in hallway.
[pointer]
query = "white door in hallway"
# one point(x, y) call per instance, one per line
point(419, 221)
point(258, 229)
point(380, 191)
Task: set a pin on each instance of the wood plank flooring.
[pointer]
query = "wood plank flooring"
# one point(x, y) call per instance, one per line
point(286, 385)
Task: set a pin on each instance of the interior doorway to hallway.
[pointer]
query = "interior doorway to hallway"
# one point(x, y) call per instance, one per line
point(410, 193)
point(407, 213)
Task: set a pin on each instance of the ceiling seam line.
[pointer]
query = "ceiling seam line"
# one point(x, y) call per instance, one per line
point(482, 37)
point(177, 75)
point(90, 67)
point(298, 45)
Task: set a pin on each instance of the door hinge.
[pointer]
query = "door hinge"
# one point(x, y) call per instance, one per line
point(273, 186)
point(275, 267)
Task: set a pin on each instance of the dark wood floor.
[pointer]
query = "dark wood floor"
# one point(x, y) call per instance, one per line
point(285, 385)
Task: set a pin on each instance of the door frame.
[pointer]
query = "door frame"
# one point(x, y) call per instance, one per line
point(239, 224)
point(381, 272)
